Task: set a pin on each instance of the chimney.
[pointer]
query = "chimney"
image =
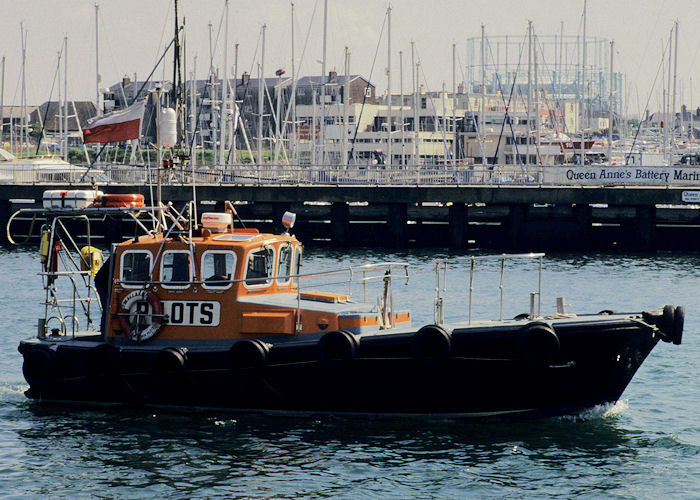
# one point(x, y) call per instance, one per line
point(245, 77)
point(460, 88)
point(126, 81)
point(332, 76)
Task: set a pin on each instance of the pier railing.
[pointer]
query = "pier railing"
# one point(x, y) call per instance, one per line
point(372, 175)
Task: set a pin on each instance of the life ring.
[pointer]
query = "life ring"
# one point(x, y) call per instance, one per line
point(431, 344)
point(678, 321)
point(122, 200)
point(338, 348)
point(39, 367)
point(248, 355)
point(156, 315)
point(538, 344)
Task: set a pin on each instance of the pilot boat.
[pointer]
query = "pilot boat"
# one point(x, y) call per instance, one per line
point(202, 312)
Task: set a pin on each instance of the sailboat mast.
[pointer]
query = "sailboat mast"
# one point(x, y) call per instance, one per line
point(675, 88)
point(388, 74)
point(529, 92)
point(454, 105)
point(610, 104)
point(261, 82)
point(415, 104)
point(177, 82)
point(482, 117)
point(2, 102)
point(346, 97)
point(401, 118)
point(65, 98)
point(293, 142)
point(98, 78)
point(323, 83)
point(224, 91)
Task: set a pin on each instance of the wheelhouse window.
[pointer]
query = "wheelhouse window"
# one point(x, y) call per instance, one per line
point(284, 264)
point(297, 265)
point(176, 269)
point(259, 266)
point(218, 268)
point(136, 267)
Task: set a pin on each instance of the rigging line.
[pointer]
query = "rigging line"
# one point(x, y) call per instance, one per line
point(506, 116)
point(364, 97)
point(646, 107)
point(48, 103)
point(301, 59)
point(471, 111)
point(565, 128)
point(469, 108)
point(448, 154)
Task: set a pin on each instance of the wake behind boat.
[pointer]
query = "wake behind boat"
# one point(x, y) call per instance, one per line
point(217, 315)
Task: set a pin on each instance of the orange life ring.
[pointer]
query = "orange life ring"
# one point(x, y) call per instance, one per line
point(156, 315)
point(122, 200)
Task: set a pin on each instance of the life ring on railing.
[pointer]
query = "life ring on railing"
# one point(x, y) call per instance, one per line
point(156, 315)
point(122, 200)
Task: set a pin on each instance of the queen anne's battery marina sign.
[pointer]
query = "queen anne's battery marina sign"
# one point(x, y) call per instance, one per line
point(662, 176)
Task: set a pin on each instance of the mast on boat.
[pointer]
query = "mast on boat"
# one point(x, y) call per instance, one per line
point(323, 83)
point(388, 74)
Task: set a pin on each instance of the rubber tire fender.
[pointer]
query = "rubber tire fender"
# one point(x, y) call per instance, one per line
point(678, 322)
point(667, 321)
point(171, 360)
point(248, 355)
point(538, 344)
point(431, 344)
point(40, 367)
point(102, 361)
point(337, 348)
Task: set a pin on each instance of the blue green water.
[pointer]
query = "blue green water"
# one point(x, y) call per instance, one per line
point(646, 446)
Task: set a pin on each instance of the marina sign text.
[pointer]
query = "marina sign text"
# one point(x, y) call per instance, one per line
point(689, 176)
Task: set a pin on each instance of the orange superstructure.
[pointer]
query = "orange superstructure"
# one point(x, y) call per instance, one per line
point(225, 285)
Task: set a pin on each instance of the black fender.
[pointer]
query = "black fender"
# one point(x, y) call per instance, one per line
point(248, 355)
point(40, 367)
point(678, 322)
point(538, 343)
point(102, 361)
point(171, 361)
point(430, 344)
point(337, 348)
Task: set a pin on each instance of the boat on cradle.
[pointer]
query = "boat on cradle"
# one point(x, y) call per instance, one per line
point(49, 169)
point(216, 315)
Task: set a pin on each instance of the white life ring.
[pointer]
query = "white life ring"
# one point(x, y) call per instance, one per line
point(156, 315)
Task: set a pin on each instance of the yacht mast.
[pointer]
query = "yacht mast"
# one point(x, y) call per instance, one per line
point(261, 80)
point(585, 85)
point(234, 115)
point(388, 75)
point(675, 88)
point(415, 104)
point(346, 97)
point(2, 103)
point(528, 139)
point(23, 132)
point(293, 142)
point(323, 84)
point(403, 128)
point(224, 90)
point(98, 78)
point(454, 105)
point(482, 117)
point(538, 139)
point(610, 104)
point(65, 99)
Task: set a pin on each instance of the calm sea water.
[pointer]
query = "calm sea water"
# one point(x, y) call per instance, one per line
point(646, 446)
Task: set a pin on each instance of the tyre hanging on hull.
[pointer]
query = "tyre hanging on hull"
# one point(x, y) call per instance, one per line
point(40, 367)
point(248, 356)
point(539, 344)
point(337, 349)
point(431, 344)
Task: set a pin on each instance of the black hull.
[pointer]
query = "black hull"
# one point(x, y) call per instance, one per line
point(483, 372)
